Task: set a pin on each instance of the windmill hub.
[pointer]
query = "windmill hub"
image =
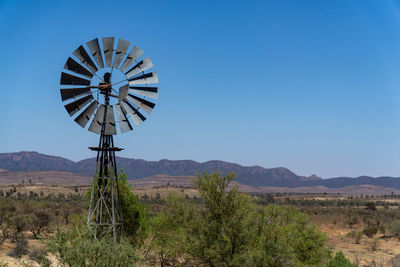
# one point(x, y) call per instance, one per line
point(82, 86)
point(107, 77)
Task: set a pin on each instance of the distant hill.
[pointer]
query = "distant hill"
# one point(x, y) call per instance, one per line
point(33, 161)
point(185, 181)
point(362, 180)
point(138, 168)
point(44, 177)
point(255, 176)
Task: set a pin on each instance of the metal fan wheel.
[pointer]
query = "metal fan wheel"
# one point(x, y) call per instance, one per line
point(91, 94)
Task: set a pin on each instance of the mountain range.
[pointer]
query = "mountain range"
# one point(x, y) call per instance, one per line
point(137, 168)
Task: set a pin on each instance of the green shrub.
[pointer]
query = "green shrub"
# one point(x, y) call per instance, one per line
point(370, 231)
point(231, 231)
point(39, 222)
point(370, 206)
point(339, 261)
point(135, 214)
point(353, 220)
point(39, 256)
point(77, 247)
point(166, 239)
point(394, 228)
point(357, 235)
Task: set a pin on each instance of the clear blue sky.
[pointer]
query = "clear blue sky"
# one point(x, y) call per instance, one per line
point(313, 86)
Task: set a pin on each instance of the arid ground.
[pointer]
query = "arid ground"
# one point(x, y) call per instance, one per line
point(331, 214)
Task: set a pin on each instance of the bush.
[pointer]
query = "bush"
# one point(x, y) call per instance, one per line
point(39, 222)
point(357, 235)
point(370, 231)
point(382, 229)
point(166, 239)
point(231, 231)
point(340, 261)
point(5, 232)
point(373, 244)
point(135, 214)
point(353, 220)
point(19, 223)
point(39, 256)
point(21, 245)
point(394, 228)
point(77, 247)
point(370, 206)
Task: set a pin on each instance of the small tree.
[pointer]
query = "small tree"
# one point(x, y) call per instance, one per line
point(352, 221)
point(65, 213)
point(4, 223)
point(166, 238)
point(21, 245)
point(394, 228)
point(340, 261)
point(370, 205)
point(135, 214)
point(39, 222)
point(370, 231)
point(229, 230)
point(19, 223)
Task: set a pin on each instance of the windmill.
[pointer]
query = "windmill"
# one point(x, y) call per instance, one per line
point(94, 90)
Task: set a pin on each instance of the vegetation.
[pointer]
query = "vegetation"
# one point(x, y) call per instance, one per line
point(230, 230)
point(222, 227)
point(135, 214)
point(76, 247)
point(340, 261)
point(370, 231)
point(39, 222)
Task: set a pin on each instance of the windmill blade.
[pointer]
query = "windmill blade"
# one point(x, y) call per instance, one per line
point(94, 48)
point(123, 121)
point(84, 117)
point(145, 91)
point(145, 78)
point(77, 105)
point(74, 93)
point(109, 120)
point(120, 52)
point(141, 103)
point(123, 92)
point(83, 56)
point(143, 65)
point(74, 66)
point(97, 122)
point(135, 53)
point(135, 115)
point(108, 48)
point(68, 79)
point(110, 128)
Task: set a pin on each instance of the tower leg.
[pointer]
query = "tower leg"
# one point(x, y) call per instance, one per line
point(105, 215)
